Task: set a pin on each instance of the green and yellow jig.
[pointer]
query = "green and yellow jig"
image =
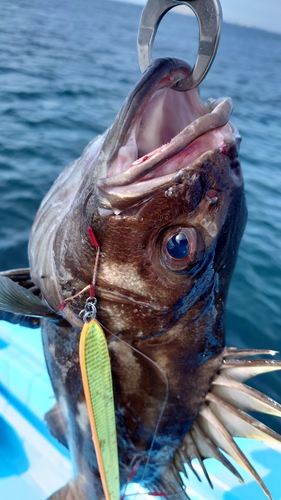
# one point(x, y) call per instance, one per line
point(97, 383)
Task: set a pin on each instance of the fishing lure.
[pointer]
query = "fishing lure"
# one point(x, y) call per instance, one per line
point(97, 383)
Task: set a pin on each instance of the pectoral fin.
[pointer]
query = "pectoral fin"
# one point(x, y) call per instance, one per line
point(19, 300)
point(18, 303)
point(22, 277)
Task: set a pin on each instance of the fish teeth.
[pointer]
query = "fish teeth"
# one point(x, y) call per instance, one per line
point(223, 416)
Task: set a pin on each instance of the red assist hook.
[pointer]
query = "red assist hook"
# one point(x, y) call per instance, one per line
point(90, 287)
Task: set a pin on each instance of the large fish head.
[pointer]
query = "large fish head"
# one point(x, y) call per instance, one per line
point(163, 192)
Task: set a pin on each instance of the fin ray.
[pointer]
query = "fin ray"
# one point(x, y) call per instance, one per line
point(244, 397)
point(242, 370)
point(223, 439)
point(223, 416)
point(18, 300)
point(240, 424)
point(232, 352)
point(209, 450)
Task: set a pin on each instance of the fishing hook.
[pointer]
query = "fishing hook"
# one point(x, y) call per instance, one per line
point(209, 16)
point(90, 311)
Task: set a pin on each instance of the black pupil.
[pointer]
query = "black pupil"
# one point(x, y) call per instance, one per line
point(178, 246)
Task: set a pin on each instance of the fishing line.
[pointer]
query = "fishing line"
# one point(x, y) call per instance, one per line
point(161, 370)
point(91, 287)
point(133, 472)
point(90, 312)
point(93, 352)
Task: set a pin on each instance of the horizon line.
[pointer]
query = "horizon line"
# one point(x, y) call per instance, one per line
point(183, 10)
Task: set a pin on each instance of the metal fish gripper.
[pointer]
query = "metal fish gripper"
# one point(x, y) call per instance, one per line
point(209, 16)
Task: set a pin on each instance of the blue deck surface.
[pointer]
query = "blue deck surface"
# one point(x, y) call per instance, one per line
point(33, 465)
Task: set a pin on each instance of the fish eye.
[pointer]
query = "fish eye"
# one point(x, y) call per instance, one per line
point(178, 248)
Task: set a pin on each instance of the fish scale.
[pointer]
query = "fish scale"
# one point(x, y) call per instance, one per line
point(97, 383)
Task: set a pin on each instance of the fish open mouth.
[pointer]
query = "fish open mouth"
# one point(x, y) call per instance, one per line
point(160, 131)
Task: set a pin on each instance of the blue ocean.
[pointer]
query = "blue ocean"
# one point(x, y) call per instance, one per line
point(66, 66)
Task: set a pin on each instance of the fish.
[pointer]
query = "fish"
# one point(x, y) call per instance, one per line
point(161, 192)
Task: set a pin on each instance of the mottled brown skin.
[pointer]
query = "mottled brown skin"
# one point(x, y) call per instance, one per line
point(173, 317)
